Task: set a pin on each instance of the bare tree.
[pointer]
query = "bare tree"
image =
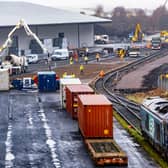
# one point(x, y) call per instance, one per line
point(99, 11)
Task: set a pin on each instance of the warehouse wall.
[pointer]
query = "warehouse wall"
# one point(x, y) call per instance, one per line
point(86, 33)
point(76, 34)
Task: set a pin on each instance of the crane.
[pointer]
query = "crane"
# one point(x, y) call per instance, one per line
point(138, 35)
point(28, 31)
point(19, 25)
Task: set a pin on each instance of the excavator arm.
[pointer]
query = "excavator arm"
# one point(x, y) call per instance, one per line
point(23, 24)
point(138, 35)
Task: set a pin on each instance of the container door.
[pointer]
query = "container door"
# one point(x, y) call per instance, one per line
point(50, 83)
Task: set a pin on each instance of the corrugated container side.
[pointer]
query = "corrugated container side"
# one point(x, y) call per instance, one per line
point(72, 102)
point(72, 92)
point(95, 121)
point(63, 83)
point(4, 80)
point(69, 100)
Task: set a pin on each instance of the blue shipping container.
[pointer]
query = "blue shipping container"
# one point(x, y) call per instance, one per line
point(46, 81)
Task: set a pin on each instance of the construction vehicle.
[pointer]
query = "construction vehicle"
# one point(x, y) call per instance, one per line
point(15, 64)
point(13, 60)
point(133, 52)
point(138, 34)
point(156, 43)
point(164, 38)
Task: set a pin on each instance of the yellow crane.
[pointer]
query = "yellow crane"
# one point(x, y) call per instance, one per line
point(138, 35)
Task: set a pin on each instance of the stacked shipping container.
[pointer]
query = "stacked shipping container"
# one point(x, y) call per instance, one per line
point(95, 120)
point(63, 83)
point(95, 115)
point(72, 91)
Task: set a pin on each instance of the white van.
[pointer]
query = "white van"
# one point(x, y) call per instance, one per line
point(32, 58)
point(60, 54)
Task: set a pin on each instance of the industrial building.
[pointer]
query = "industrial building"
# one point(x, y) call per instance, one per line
point(51, 25)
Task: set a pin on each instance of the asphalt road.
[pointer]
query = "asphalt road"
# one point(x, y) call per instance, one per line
point(42, 64)
point(36, 133)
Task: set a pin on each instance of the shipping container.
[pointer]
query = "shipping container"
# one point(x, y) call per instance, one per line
point(63, 83)
point(72, 91)
point(46, 81)
point(106, 152)
point(95, 116)
point(4, 80)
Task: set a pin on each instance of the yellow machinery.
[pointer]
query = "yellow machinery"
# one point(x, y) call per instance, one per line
point(138, 35)
point(164, 36)
point(121, 53)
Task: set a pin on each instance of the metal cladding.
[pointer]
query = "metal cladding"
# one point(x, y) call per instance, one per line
point(4, 78)
point(95, 115)
point(46, 81)
point(72, 91)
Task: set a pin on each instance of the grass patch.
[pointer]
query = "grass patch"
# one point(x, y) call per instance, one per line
point(142, 141)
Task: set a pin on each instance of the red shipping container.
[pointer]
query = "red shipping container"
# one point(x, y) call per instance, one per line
point(95, 115)
point(72, 91)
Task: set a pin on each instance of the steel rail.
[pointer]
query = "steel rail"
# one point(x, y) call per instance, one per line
point(130, 110)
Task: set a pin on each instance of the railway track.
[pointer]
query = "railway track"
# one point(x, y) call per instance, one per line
point(129, 110)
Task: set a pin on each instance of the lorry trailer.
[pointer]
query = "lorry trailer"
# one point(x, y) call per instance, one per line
point(106, 152)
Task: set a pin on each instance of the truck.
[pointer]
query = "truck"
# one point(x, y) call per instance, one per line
point(156, 43)
point(15, 64)
point(19, 63)
point(133, 52)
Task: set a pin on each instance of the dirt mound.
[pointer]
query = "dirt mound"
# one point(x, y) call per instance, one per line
point(150, 80)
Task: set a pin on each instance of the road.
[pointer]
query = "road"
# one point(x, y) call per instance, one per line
point(36, 133)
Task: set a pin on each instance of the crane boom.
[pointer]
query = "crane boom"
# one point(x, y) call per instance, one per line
point(23, 24)
point(138, 35)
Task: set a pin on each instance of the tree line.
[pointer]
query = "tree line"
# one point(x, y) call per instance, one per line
point(125, 20)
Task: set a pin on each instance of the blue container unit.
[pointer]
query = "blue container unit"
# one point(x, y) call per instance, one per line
point(46, 81)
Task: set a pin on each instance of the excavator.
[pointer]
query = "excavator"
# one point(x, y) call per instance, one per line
point(138, 35)
point(13, 60)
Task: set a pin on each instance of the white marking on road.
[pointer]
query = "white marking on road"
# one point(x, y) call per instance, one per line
point(30, 120)
point(9, 157)
point(30, 125)
point(49, 141)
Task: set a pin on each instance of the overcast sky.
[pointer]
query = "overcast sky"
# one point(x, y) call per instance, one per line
point(108, 4)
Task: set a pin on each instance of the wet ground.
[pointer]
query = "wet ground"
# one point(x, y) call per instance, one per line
point(36, 133)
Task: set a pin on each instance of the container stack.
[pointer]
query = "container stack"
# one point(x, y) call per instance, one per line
point(95, 122)
point(72, 91)
point(63, 83)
